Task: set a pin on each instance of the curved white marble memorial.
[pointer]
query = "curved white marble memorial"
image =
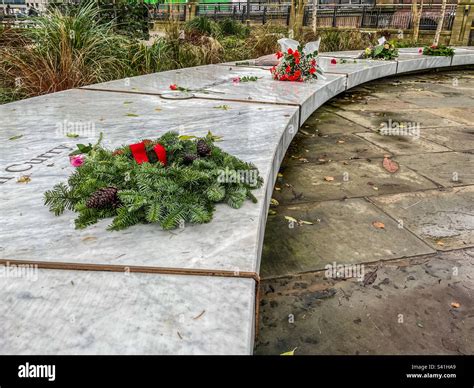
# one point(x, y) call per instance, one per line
point(62, 310)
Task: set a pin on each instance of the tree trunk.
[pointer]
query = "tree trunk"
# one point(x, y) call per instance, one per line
point(315, 14)
point(416, 18)
point(440, 23)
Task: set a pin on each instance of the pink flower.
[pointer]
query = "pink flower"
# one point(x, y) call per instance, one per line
point(77, 160)
point(333, 61)
point(174, 87)
point(235, 80)
point(420, 51)
point(279, 54)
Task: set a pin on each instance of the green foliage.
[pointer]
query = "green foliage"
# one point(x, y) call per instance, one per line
point(152, 193)
point(203, 25)
point(386, 51)
point(231, 27)
point(440, 50)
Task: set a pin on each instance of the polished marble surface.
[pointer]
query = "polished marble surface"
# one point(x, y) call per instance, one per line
point(50, 312)
point(257, 133)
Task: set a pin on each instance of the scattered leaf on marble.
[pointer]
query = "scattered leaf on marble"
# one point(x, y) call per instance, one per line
point(328, 178)
point(16, 137)
point(132, 115)
point(456, 305)
point(127, 102)
point(274, 202)
point(223, 107)
point(179, 335)
point(89, 238)
point(157, 109)
point(378, 224)
point(200, 315)
point(390, 165)
point(291, 219)
point(24, 179)
point(72, 135)
point(290, 353)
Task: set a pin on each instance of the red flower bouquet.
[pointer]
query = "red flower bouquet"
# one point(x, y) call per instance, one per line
point(296, 64)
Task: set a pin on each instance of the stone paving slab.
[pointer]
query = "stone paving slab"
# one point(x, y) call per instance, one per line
point(215, 82)
point(447, 169)
point(342, 232)
point(44, 122)
point(374, 120)
point(456, 138)
point(87, 312)
point(354, 178)
point(464, 115)
point(404, 145)
point(342, 316)
point(325, 122)
point(444, 219)
point(335, 147)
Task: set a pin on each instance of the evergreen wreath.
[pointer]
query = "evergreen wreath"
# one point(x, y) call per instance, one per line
point(181, 185)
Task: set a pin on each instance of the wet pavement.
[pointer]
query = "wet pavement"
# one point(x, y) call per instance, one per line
point(369, 245)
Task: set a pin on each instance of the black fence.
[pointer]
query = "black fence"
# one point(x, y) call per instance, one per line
point(362, 15)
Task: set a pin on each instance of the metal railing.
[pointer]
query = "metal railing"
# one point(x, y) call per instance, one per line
point(388, 16)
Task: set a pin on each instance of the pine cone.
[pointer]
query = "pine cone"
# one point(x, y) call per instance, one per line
point(203, 148)
point(102, 198)
point(189, 158)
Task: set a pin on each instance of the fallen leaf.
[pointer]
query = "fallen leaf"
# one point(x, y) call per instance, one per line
point(419, 324)
point(341, 141)
point(73, 135)
point(89, 238)
point(280, 175)
point(304, 160)
point(291, 219)
point(24, 179)
point(271, 212)
point(223, 107)
point(390, 165)
point(370, 277)
point(157, 109)
point(328, 178)
point(277, 188)
point(378, 224)
point(200, 315)
point(179, 335)
point(274, 202)
point(290, 353)
point(440, 243)
point(302, 222)
point(16, 137)
point(127, 102)
point(456, 305)
point(132, 115)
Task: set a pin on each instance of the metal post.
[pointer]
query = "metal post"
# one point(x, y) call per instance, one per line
point(334, 16)
point(264, 16)
point(362, 21)
point(288, 14)
point(248, 9)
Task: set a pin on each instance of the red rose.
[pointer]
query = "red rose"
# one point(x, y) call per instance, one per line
point(312, 70)
point(333, 61)
point(288, 69)
point(279, 54)
point(297, 74)
point(297, 61)
point(173, 87)
point(290, 51)
point(296, 54)
point(313, 62)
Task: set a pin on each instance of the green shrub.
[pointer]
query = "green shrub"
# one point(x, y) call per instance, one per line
point(234, 28)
